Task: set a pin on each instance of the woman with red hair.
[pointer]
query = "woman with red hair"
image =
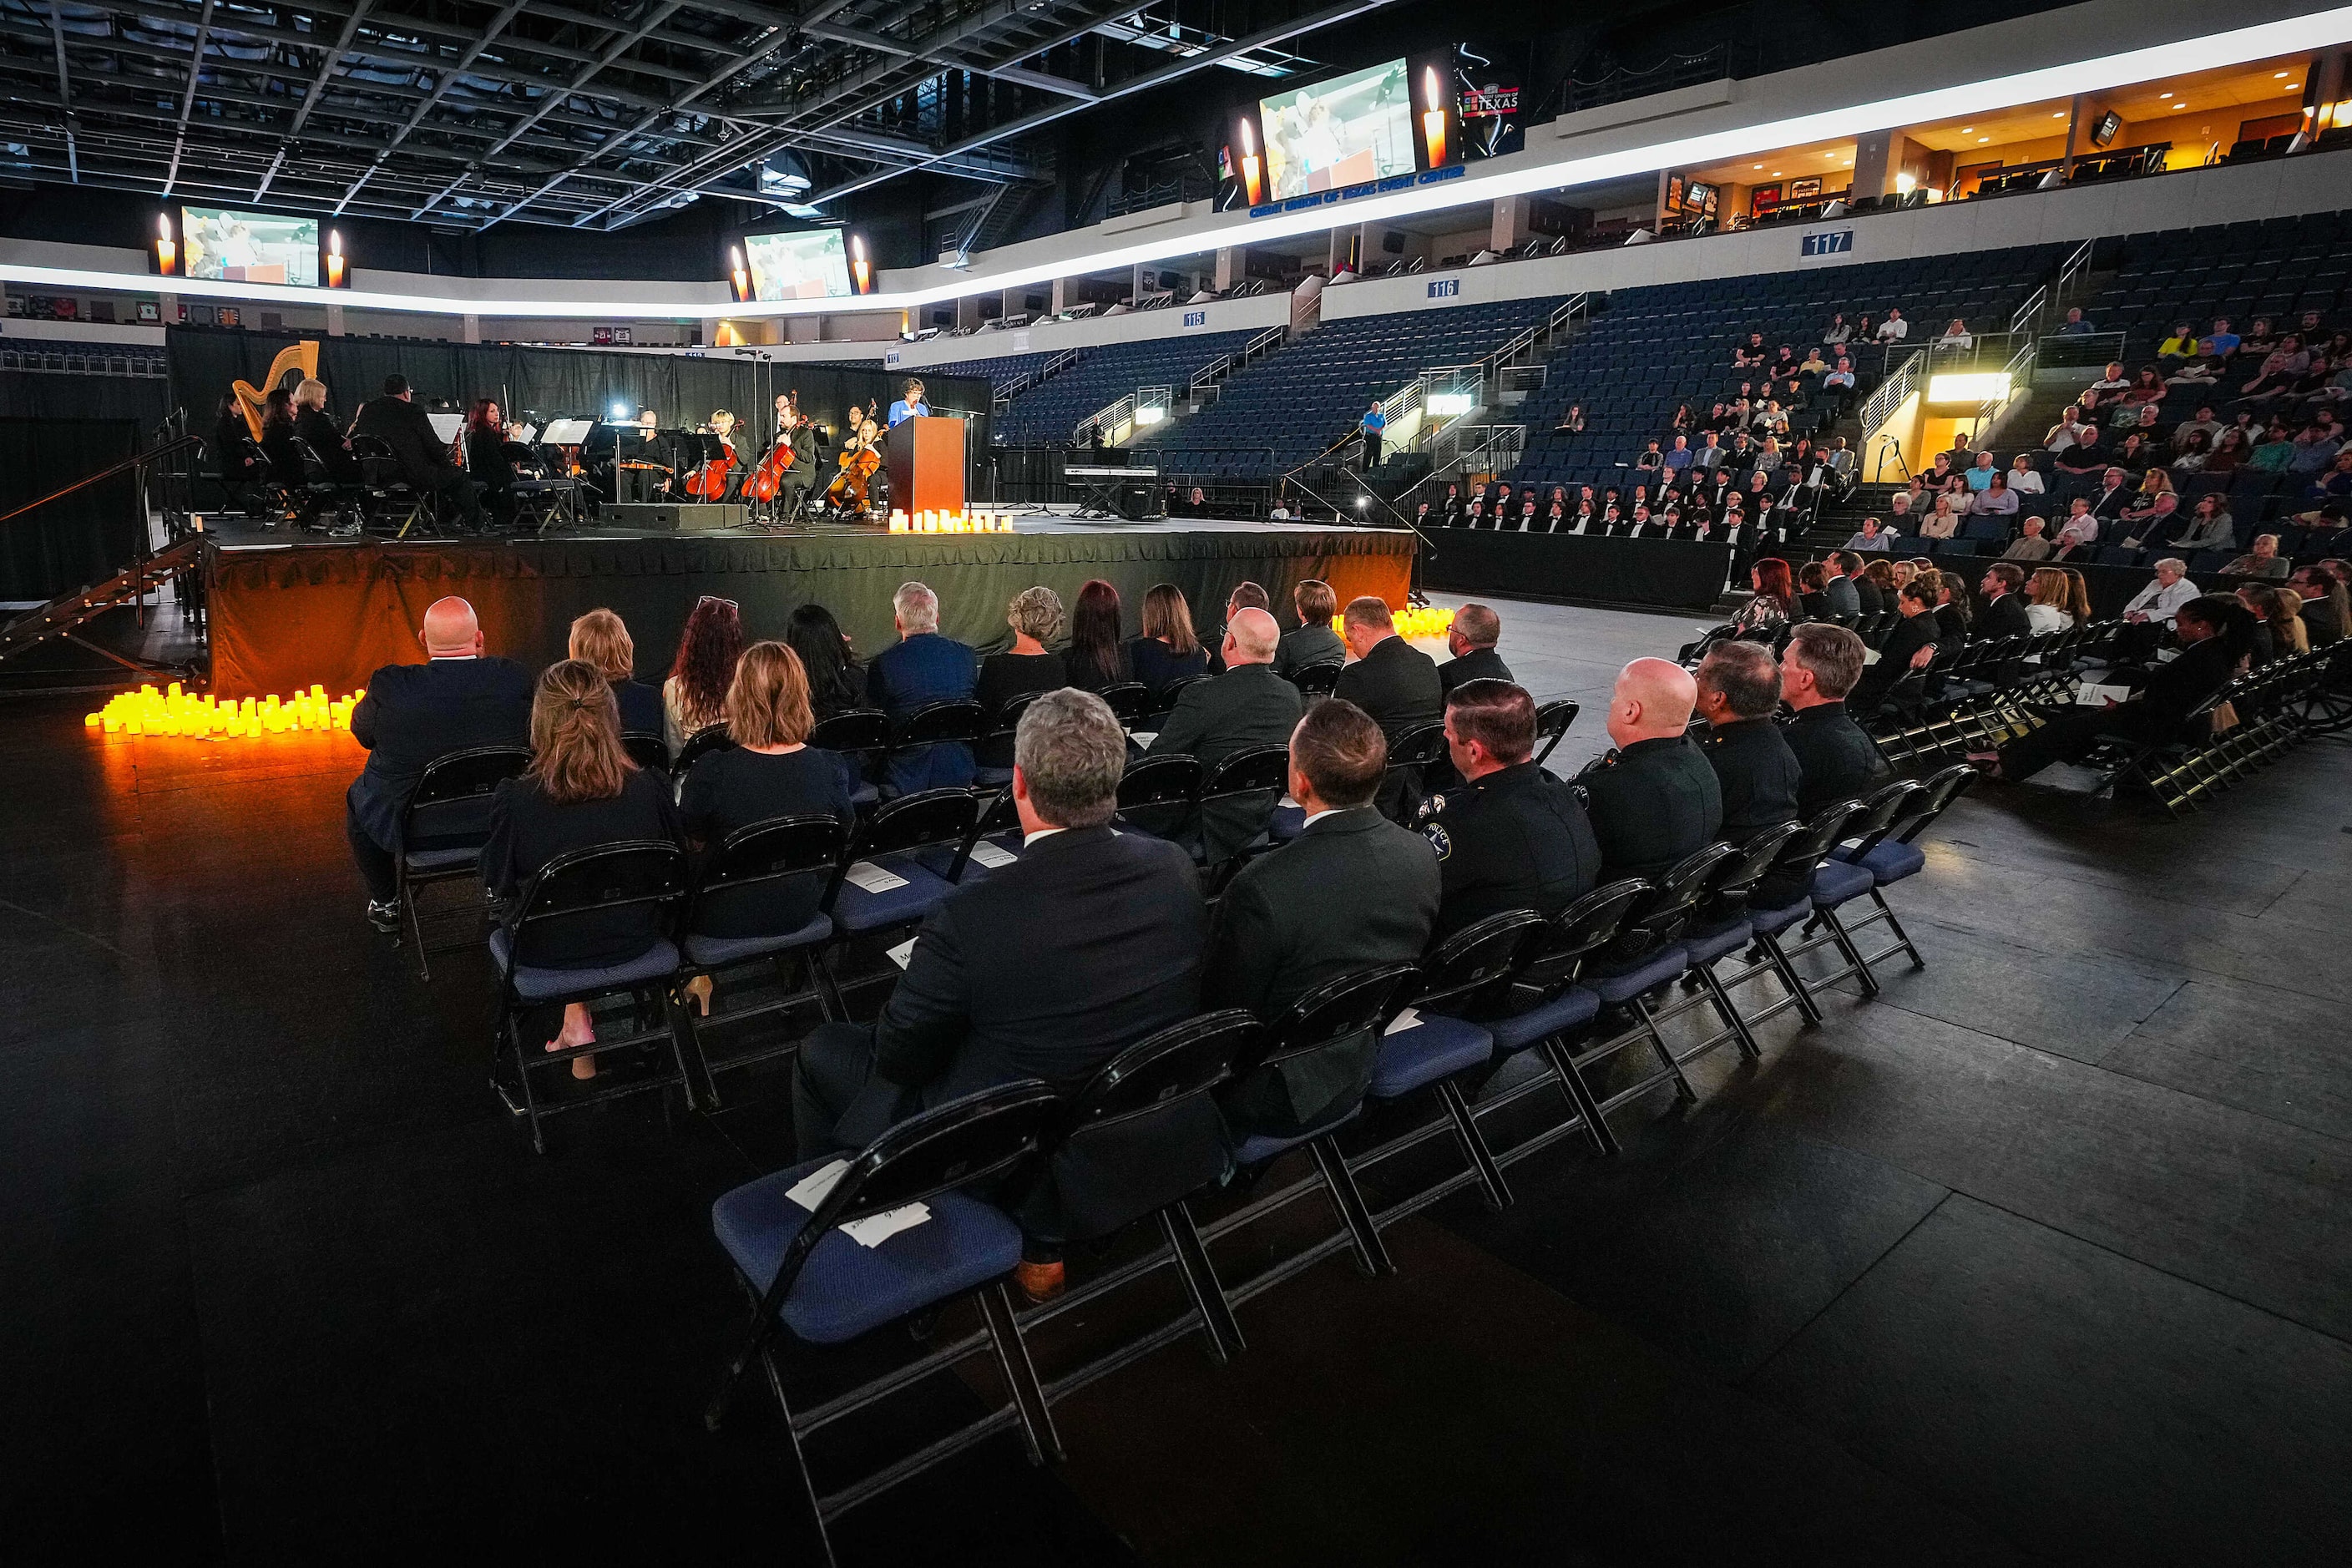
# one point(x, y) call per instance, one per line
point(694, 698)
point(486, 459)
point(1773, 606)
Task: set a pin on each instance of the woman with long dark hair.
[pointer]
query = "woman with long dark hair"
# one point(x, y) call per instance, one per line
point(486, 457)
point(1096, 657)
point(1772, 606)
point(1169, 649)
point(836, 681)
point(694, 698)
point(278, 439)
point(580, 790)
point(231, 459)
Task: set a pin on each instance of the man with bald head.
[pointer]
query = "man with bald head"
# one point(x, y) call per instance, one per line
point(1654, 799)
point(1248, 705)
point(1471, 640)
point(413, 713)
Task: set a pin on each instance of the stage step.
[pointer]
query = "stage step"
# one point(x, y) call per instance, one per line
point(61, 615)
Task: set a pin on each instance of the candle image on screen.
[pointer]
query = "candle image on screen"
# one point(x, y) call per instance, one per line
point(812, 264)
point(249, 248)
point(1339, 132)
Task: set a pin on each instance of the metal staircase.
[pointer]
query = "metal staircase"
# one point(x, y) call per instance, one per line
point(62, 616)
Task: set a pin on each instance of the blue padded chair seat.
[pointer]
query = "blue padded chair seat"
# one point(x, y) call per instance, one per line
point(844, 1289)
point(991, 778)
point(1772, 923)
point(1890, 862)
point(1259, 1147)
point(1839, 880)
point(1286, 824)
point(418, 860)
point(864, 795)
point(1653, 971)
point(856, 910)
point(1708, 946)
point(1570, 1008)
point(938, 857)
point(710, 951)
point(547, 984)
point(1411, 1058)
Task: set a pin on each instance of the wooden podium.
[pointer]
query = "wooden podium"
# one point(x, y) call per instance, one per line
point(925, 461)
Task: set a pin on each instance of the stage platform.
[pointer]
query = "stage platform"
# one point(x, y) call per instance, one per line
point(288, 610)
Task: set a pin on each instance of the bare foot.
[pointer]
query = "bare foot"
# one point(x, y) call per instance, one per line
point(579, 1029)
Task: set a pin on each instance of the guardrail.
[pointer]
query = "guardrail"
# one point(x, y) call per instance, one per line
point(2023, 319)
point(1900, 382)
point(2072, 272)
point(1996, 411)
point(2076, 350)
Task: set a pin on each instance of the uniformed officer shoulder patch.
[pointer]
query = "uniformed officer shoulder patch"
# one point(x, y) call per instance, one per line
point(1432, 805)
point(1438, 840)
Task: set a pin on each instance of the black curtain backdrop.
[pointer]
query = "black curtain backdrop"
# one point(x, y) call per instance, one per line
point(1665, 571)
point(82, 539)
point(49, 395)
point(548, 383)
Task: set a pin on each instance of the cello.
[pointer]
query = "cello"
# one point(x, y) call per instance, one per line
point(859, 461)
point(708, 481)
point(767, 479)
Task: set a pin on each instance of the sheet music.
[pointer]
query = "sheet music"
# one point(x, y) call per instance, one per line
point(567, 432)
point(447, 426)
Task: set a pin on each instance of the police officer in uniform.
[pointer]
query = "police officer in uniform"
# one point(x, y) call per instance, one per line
point(1654, 799)
point(1835, 759)
point(1738, 688)
point(1512, 837)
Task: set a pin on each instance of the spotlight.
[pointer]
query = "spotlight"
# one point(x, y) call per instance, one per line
point(620, 411)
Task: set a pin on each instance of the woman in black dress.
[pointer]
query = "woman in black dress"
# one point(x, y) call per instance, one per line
point(232, 459)
point(600, 638)
point(278, 440)
point(582, 791)
point(1096, 657)
point(1168, 649)
point(836, 680)
point(317, 429)
point(1028, 667)
point(487, 463)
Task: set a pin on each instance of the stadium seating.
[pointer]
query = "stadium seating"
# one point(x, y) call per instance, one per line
point(1050, 410)
point(2277, 268)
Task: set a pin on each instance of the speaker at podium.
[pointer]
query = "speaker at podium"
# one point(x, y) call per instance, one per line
point(925, 457)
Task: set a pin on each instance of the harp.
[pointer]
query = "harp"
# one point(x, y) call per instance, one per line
point(300, 361)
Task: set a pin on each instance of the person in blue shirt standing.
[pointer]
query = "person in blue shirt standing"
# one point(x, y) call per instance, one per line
point(923, 667)
point(910, 407)
point(1372, 423)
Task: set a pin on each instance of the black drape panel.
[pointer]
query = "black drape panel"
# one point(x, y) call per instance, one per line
point(87, 536)
point(48, 394)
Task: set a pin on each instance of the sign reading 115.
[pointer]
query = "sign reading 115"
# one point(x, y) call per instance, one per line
point(1829, 244)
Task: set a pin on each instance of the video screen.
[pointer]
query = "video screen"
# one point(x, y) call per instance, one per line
point(249, 248)
point(811, 265)
point(1339, 132)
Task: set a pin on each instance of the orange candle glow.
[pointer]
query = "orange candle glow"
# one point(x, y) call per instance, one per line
point(334, 258)
point(860, 269)
point(1433, 118)
point(1250, 164)
point(167, 254)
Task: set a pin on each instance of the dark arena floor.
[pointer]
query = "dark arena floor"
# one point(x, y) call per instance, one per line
point(2043, 1255)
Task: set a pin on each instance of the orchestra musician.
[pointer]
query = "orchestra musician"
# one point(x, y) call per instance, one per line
point(860, 458)
point(712, 480)
point(317, 429)
point(486, 459)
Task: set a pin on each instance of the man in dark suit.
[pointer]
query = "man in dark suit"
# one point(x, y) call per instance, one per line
point(2005, 612)
point(1351, 892)
point(923, 667)
point(1654, 800)
point(2215, 631)
point(1472, 638)
point(414, 713)
point(1249, 705)
point(1245, 596)
point(1835, 761)
point(1312, 641)
point(1738, 689)
point(396, 421)
point(1512, 837)
point(1047, 968)
point(1394, 681)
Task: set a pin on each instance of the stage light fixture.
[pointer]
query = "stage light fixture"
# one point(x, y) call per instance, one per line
point(620, 411)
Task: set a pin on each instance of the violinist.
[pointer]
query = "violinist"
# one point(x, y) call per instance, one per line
point(487, 459)
point(858, 461)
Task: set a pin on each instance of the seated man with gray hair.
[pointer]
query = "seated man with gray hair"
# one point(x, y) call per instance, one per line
point(921, 668)
point(1045, 968)
point(1247, 706)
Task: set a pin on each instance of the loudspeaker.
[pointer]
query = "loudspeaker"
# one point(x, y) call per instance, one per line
point(678, 517)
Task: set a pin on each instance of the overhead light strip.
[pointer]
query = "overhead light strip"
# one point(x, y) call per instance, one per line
point(2240, 45)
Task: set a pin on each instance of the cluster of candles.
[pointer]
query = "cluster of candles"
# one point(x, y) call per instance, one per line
point(952, 522)
point(1415, 625)
point(172, 711)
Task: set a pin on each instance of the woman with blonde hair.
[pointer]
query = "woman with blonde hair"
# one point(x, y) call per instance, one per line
point(581, 792)
point(2050, 594)
point(1168, 649)
point(602, 639)
point(1026, 669)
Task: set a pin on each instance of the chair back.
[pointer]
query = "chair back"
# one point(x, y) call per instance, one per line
point(914, 822)
point(1587, 927)
point(1333, 1013)
point(1156, 794)
point(957, 719)
point(857, 731)
point(1942, 789)
point(1470, 970)
point(1552, 721)
point(700, 744)
point(1253, 770)
point(647, 749)
point(585, 887)
point(759, 865)
point(1659, 919)
point(1128, 699)
point(1174, 690)
point(452, 800)
point(1317, 679)
point(1004, 725)
point(1879, 813)
point(1724, 897)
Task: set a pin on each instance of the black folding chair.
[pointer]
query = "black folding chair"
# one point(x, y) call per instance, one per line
point(1552, 721)
point(1720, 925)
point(957, 721)
point(647, 749)
point(861, 734)
point(749, 887)
point(889, 848)
point(1839, 879)
point(1238, 797)
point(1004, 727)
point(1156, 794)
point(811, 1286)
point(441, 832)
point(702, 743)
point(1894, 856)
point(1410, 756)
point(1128, 699)
point(1317, 679)
point(1165, 704)
point(589, 887)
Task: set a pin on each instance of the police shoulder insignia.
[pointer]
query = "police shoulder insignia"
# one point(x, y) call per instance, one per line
point(1438, 840)
point(1432, 805)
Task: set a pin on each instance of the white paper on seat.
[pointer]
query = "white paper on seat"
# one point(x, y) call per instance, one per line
point(903, 954)
point(866, 874)
point(1286, 801)
point(992, 856)
point(876, 1228)
point(810, 1190)
point(1143, 737)
point(1408, 1019)
point(2089, 696)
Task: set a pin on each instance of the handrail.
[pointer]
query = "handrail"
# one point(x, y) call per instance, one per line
point(170, 448)
point(1897, 385)
point(2019, 370)
point(1265, 343)
point(1057, 364)
point(2077, 263)
point(1118, 411)
point(2021, 320)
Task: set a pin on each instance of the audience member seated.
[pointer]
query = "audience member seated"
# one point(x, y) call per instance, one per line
point(2324, 605)
point(2215, 632)
point(694, 698)
point(1391, 679)
point(1510, 836)
point(1835, 759)
point(2262, 561)
point(1738, 690)
point(1047, 968)
point(1873, 535)
point(1472, 638)
point(600, 638)
point(1248, 595)
point(836, 680)
point(1276, 939)
point(1168, 650)
point(412, 714)
point(2028, 545)
point(1249, 705)
point(1652, 799)
point(1910, 646)
point(582, 792)
point(1097, 652)
point(1026, 668)
point(922, 668)
point(2050, 594)
point(1312, 641)
point(1844, 600)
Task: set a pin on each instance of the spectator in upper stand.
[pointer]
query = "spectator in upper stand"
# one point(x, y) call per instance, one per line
point(1813, 364)
point(1471, 639)
point(2071, 430)
point(2029, 544)
point(2115, 497)
point(1026, 669)
point(1678, 462)
point(1313, 641)
point(1749, 354)
point(1997, 501)
point(600, 638)
point(2191, 372)
point(2220, 343)
point(2024, 479)
point(1899, 521)
point(1709, 456)
point(1783, 364)
point(1738, 688)
point(2262, 561)
point(2315, 448)
point(2115, 380)
point(1740, 460)
point(1941, 521)
point(1957, 338)
point(1981, 473)
point(2274, 452)
point(1653, 800)
point(2204, 424)
point(1572, 422)
point(1767, 456)
point(2075, 325)
point(2164, 595)
point(1895, 329)
point(1169, 649)
point(694, 698)
point(1838, 593)
point(2325, 607)
point(1651, 460)
point(1839, 379)
point(1839, 461)
point(2210, 526)
point(2153, 522)
point(1838, 332)
point(2180, 345)
point(2331, 494)
point(923, 667)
